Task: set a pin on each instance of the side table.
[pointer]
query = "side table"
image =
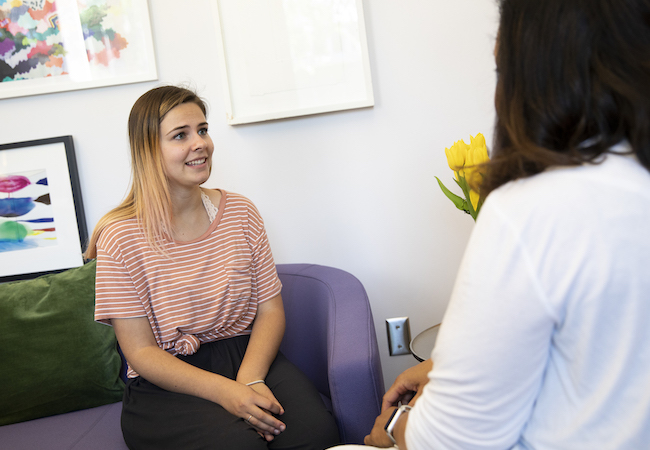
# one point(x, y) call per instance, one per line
point(422, 344)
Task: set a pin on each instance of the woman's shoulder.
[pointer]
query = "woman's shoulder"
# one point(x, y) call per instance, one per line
point(578, 183)
point(240, 208)
point(569, 197)
point(237, 201)
point(120, 230)
point(125, 224)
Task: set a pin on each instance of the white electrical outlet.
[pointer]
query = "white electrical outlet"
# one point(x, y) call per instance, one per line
point(399, 336)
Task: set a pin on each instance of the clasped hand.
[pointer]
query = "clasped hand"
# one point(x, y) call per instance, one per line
point(406, 389)
point(408, 386)
point(257, 405)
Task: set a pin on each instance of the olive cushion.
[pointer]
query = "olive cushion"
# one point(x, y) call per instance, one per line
point(54, 357)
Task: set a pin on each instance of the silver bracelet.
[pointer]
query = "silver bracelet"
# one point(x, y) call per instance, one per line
point(254, 382)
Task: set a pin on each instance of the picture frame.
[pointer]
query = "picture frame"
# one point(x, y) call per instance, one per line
point(42, 221)
point(288, 58)
point(74, 44)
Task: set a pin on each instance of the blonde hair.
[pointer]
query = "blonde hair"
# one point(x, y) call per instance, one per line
point(149, 199)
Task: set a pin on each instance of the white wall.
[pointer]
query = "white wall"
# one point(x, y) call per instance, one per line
point(352, 189)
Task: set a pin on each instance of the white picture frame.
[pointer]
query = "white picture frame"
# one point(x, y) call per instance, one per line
point(74, 44)
point(42, 222)
point(288, 58)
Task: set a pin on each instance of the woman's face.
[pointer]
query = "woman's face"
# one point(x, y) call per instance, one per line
point(186, 146)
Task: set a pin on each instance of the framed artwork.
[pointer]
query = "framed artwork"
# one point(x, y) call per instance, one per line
point(287, 58)
point(62, 45)
point(42, 221)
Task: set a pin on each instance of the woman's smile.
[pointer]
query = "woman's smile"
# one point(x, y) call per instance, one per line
point(196, 162)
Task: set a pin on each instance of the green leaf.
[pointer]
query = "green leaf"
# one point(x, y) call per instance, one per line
point(456, 200)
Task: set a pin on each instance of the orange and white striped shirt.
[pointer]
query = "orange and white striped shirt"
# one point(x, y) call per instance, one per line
point(208, 290)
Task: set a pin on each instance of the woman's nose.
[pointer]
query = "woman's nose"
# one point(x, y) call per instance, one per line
point(199, 142)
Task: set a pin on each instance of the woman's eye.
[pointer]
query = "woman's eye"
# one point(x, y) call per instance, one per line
point(203, 131)
point(179, 136)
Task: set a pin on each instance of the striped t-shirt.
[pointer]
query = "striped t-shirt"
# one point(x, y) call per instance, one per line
point(202, 291)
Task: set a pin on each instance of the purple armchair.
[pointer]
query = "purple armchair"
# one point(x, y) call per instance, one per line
point(330, 336)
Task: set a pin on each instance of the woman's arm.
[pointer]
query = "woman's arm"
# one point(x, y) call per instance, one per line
point(408, 385)
point(378, 436)
point(168, 372)
point(266, 336)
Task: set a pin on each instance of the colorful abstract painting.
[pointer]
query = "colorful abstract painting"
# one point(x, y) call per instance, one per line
point(32, 45)
point(42, 223)
point(26, 219)
point(73, 44)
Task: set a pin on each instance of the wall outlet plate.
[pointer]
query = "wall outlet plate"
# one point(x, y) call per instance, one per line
point(399, 336)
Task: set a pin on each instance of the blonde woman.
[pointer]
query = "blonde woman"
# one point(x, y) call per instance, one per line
point(186, 277)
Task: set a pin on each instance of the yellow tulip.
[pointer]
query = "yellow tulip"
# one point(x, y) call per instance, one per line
point(464, 160)
point(478, 149)
point(476, 155)
point(456, 156)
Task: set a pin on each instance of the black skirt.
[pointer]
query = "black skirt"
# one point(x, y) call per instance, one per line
point(153, 418)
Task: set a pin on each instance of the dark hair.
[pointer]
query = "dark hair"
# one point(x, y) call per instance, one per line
point(573, 80)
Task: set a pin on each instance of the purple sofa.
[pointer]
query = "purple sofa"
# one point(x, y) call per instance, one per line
point(330, 335)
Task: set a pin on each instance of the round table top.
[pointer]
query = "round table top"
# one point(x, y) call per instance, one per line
point(422, 344)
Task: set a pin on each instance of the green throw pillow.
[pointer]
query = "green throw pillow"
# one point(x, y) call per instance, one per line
point(54, 358)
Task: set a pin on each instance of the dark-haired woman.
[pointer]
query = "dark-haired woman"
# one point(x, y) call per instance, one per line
point(546, 340)
point(186, 277)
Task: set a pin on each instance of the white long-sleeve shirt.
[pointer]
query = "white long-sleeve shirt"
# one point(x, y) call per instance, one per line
point(546, 340)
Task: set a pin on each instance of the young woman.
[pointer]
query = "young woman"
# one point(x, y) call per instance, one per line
point(544, 344)
point(186, 277)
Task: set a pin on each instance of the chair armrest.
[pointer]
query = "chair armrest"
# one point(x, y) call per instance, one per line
point(354, 375)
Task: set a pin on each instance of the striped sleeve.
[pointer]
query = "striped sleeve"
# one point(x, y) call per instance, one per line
point(265, 280)
point(115, 292)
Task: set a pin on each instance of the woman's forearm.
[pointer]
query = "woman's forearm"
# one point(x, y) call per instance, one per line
point(160, 367)
point(266, 336)
point(170, 373)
